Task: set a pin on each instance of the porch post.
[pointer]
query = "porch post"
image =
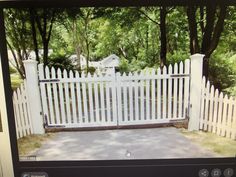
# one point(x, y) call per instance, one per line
point(33, 93)
point(195, 91)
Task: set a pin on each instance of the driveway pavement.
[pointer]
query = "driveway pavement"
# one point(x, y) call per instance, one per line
point(155, 143)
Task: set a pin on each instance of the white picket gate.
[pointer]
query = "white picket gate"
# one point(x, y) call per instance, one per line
point(218, 112)
point(21, 111)
point(58, 98)
point(70, 100)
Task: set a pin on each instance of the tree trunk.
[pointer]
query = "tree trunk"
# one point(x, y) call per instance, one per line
point(78, 52)
point(210, 20)
point(163, 36)
point(191, 14)
point(33, 29)
point(44, 33)
point(45, 52)
point(147, 40)
point(215, 37)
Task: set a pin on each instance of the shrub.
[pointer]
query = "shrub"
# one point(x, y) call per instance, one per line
point(60, 61)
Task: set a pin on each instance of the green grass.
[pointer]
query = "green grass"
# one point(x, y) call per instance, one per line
point(15, 81)
point(221, 145)
point(30, 144)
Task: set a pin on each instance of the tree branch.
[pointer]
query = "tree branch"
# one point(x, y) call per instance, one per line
point(149, 18)
point(218, 30)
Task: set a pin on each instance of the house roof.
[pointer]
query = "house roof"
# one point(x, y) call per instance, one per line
point(111, 61)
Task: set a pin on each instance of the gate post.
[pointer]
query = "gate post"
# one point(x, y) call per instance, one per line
point(33, 93)
point(195, 91)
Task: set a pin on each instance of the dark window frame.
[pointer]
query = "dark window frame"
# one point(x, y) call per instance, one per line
point(107, 168)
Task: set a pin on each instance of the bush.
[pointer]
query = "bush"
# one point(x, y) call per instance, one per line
point(222, 72)
point(124, 66)
point(60, 61)
point(90, 70)
point(12, 70)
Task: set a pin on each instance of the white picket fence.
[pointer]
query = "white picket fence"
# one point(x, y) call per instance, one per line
point(66, 99)
point(70, 100)
point(21, 111)
point(218, 112)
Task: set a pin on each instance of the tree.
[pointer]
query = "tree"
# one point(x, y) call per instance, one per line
point(18, 37)
point(211, 22)
point(43, 19)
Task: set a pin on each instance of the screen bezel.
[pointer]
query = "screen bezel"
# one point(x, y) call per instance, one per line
point(104, 166)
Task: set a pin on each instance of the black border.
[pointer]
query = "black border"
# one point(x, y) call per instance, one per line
point(108, 3)
point(107, 168)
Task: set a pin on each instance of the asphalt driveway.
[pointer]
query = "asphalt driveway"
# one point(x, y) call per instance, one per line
point(155, 143)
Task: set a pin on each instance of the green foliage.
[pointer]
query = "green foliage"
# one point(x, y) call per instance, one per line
point(131, 33)
point(124, 66)
point(60, 61)
point(177, 56)
point(12, 70)
point(90, 70)
point(223, 72)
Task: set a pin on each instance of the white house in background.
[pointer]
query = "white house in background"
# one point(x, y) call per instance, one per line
point(107, 65)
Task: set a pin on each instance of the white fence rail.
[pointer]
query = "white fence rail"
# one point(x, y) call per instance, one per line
point(71, 100)
point(21, 111)
point(218, 112)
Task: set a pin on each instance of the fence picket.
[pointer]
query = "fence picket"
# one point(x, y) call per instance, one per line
point(216, 108)
point(210, 118)
point(229, 118)
point(67, 99)
point(142, 96)
point(50, 98)
point(72, 98)
point(102, 100)
point(85, 100)
point(219, 118)
point(114, 101)
point(79, 100)
point(108, 102)
point(119, 98)
point(125, 107)
point(97, 107)
point(175, 91)
point(91, 100)
point(186, 87)
point(61, 98)
point(131, 106)
point(43, 92)
point(164, 95)
point(136, 97)
point(25, 112)
point(203, 88)
point(180, 100)
point(153, 96)
point(55, 96)
point(233, 134)
point(18, 92)
point(159, 98)
point(17, 115)
point(148, 103)
point(206, 113)
point(224, 116)
point(170, 95)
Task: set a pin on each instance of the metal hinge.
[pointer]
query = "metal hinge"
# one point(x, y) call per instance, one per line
point(180, 75)
point(49, 80)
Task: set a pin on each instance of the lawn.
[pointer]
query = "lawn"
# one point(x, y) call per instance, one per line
point(221, 145)
point(32, 143)
point(15, 81)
